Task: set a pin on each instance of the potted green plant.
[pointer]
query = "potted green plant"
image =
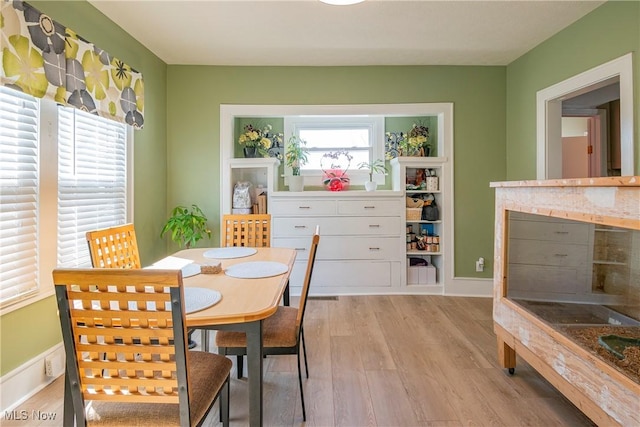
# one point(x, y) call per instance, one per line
point(187, 226)
point(295, 156)
point(377, 166)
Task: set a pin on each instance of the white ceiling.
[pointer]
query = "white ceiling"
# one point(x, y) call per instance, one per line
point(376, 32)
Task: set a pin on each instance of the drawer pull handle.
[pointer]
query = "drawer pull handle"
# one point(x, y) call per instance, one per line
point(369, 207)
point(560, 255)
point(299, 226)
point(304, 207)
point(561, 232)
point(374, 225)
point(374, 249)
point(301, 249)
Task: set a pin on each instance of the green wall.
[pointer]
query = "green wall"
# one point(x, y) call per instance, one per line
point(478, 94)
point(608, 32)
point(29, 331)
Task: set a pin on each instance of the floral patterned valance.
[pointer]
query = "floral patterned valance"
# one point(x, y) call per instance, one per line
point(43, 58)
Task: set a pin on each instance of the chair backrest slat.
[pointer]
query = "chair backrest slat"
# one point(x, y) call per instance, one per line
point(131, 352)
point(114, 247)
point(251, 230)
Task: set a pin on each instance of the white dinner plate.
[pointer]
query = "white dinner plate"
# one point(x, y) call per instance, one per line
point(256, 269)
point(231, 252)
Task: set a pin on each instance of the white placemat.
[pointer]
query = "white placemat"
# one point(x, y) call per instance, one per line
point(196, 299)
point(231, 252)
point(256, 269)
point(188, 267)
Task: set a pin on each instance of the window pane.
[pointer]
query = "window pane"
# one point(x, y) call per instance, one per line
point(19, 116)
point(336, 138)
point(91, 181)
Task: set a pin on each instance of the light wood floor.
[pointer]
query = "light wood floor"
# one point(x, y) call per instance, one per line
point(390, 361)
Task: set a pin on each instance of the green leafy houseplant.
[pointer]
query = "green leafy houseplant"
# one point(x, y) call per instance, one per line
point(296, 154)
point(377, 166)
point(186, 226)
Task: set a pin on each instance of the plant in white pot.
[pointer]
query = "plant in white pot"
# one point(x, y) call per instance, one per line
point(377, 166)
point(295, 157)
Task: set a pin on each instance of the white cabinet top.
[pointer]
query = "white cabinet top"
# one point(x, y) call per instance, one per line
point(325, 194)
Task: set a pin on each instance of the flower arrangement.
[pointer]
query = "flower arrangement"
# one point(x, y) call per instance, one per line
point(335, 165)
point(415, 141)
point(260, 140)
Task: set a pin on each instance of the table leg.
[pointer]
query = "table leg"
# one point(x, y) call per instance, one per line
point(254, 360)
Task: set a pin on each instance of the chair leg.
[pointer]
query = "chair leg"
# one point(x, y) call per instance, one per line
point(192, 343)
point(240, 363)
point(204, 339)
point(224, 403)
point(304, 350)
point(304, 413)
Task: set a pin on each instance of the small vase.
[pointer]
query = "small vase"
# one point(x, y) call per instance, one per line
point(250, 152)
point(370, 185)
point(296, 183)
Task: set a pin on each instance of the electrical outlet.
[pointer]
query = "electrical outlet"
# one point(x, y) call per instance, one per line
point(480, 264)
point(48, 367)
point(52, 365)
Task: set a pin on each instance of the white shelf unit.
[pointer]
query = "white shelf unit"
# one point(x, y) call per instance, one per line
point(261, 171)
point(414, 277)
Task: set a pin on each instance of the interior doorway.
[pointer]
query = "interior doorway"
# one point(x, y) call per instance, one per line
point(605, 94)
point(591, 133)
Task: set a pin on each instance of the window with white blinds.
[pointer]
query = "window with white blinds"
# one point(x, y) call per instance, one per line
point(19, 118)
point(92, 181)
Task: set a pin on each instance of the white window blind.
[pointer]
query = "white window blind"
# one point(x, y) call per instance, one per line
point(92, 181)
point(19, 118)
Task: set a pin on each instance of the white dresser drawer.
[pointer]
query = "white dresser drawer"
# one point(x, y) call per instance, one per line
point(523, 280)
point(346, 274)
point(336, 226)
point(555, 231)
point(339, 248)
point(538, 252)
point(370, 207)
point(302, 207)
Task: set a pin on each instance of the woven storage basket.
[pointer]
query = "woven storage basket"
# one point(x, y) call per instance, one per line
point(414, 214)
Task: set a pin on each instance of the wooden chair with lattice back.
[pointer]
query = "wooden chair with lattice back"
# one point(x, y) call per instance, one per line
point(114, 247)
point(252, 230)
point(117, 247)
point(282, 332)
point(136, 318)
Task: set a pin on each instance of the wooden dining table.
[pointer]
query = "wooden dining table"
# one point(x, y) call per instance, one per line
point(244, 304)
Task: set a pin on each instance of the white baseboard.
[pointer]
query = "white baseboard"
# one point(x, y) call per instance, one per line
point(469, 287)
point(26, 380)
point(459, 287)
